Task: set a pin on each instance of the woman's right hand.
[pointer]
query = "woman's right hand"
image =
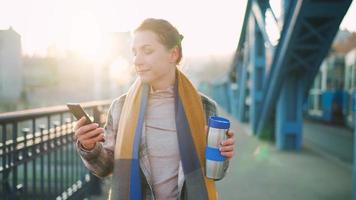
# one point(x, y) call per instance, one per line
point(88, 135)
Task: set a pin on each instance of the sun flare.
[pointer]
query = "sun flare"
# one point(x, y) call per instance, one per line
point(87, 39)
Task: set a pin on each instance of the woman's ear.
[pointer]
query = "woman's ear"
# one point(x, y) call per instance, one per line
point(174, 55)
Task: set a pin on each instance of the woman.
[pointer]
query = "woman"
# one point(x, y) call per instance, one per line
point(155, 134)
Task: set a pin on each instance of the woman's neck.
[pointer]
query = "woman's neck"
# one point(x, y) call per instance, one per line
point(165, 82)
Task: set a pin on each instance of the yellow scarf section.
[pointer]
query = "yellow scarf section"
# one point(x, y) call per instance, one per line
point(194, 112)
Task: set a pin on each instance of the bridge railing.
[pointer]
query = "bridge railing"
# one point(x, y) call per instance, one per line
point(38, 156)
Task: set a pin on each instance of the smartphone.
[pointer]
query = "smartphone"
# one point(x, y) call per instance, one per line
point(79, 112)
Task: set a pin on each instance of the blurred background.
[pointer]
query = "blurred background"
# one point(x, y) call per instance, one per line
point(80, 50)
point(283, 71)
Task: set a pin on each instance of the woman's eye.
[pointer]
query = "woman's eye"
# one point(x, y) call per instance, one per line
point(148, 51)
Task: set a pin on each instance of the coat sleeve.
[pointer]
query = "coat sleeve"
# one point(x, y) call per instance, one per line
point(100, 160)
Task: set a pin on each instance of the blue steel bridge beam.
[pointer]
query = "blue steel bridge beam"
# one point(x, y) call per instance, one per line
point(240, 87)
point(257, 61)
point(279, 23)
point(289, 104)
point(289, 118)
point(259, 14)
point(232, 91)
point(310, 23)
point(273, 82)
point(241, 56)
point(242, 107)
point(233, 83)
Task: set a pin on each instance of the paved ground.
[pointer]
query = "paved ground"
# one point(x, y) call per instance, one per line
point(259, 171)
point(333, 140)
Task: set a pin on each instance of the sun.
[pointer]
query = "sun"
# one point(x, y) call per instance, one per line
point(87, 39)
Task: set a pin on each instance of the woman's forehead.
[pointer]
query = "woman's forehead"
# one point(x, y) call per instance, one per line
point(144, 38)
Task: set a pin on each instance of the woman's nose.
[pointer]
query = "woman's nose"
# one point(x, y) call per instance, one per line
point(138, 60)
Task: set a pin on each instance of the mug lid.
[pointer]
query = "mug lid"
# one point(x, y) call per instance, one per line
point(219, 122)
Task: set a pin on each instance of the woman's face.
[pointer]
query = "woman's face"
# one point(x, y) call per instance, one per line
point(152, 60)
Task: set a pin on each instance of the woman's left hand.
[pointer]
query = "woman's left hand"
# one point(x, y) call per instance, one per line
point(227, 146)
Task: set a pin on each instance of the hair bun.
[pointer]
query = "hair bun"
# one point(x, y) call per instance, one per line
point(181, 37)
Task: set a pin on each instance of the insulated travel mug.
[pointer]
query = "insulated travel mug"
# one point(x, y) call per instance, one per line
point(217, 132)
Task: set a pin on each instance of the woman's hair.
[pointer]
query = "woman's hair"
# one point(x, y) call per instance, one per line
point(168, 35)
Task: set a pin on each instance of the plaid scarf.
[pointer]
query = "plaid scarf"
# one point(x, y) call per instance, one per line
point(190, 123)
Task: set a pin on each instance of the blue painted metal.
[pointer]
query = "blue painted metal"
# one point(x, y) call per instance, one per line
point(309, 27)
point(349, 101)
point(349, 88)
point(234, 87)
point(240, 66)
point(279, 22)
point(232, 95)
point(286, 5)
point(220, 94)
point(306, 22)
point(289, 116)
point(332, 103)
point(327, 98)
point(225, 87)
point(345, 109)
point(257, 61)
point(242, 107)
point(259, 15)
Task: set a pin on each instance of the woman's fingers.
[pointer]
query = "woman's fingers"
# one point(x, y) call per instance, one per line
point(228, 154)
point(93, 140)
point(230, 133)
point(227, 142)
point(84, 129)
point(227, 148)
point(91, 134)
point(79, 123)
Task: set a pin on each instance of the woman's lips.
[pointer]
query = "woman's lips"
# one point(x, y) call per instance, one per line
point(142, 71)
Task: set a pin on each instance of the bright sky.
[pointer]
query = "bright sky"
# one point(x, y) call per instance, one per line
point(208, 27)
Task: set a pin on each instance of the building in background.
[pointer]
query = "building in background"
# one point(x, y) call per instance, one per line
point(10, 66)
point(72, 78)
point(37, 81)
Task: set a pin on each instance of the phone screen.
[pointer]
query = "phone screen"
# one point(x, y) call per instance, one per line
point(78, 112)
